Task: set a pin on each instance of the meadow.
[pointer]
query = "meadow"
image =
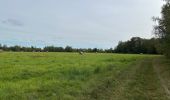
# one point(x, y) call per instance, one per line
point(92, 76)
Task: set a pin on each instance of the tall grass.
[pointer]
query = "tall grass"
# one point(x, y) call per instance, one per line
point(54, 76)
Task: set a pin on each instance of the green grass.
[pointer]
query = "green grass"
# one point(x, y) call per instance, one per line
point(70, 76)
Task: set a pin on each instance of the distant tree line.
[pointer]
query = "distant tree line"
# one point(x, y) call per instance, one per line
point(137, 45)
point(53, 49)
point(162, 29)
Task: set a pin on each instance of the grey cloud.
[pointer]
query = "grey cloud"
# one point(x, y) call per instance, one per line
point(12, 22)
point(81, 23)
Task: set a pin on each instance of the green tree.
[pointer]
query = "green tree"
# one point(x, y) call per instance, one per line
point(68, 49)
point(162, 29)
point(137, 45)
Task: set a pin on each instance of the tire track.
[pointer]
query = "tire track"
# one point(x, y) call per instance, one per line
point(162, 81)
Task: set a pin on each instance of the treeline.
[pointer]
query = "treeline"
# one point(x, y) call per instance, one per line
point(137, 45)
point(162, 29)
point(52, 49)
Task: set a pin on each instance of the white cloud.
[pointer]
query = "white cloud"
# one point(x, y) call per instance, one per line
point(80, 23)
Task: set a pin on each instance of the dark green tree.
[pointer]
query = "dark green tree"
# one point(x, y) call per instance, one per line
point(137, 45)
point(68, 49)
point(162, 29)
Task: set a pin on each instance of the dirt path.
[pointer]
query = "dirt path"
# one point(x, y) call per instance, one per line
point(156, 66)
point(142, 84)
point(140, 81)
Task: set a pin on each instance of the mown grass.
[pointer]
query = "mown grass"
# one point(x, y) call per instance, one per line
point(64, 76)
point(145, 85)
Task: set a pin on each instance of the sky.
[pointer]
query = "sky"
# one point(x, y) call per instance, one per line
point(77, 23)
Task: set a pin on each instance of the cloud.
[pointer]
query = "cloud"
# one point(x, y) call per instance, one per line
point(12, 22)
point(79, 23)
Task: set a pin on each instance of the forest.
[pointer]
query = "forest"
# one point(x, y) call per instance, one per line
point(136, 45)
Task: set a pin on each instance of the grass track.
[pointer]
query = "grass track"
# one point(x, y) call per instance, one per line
point(145, 84)
point(139, 82)
point(70, 76)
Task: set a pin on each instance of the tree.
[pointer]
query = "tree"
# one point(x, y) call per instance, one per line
point(162, 29)
point(137, 45)
point(68, 49)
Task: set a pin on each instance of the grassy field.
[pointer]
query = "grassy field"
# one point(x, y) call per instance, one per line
point(70, 76)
